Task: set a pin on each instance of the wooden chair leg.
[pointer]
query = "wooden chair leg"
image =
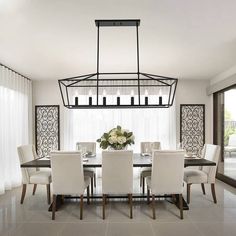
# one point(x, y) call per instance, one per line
point(143, 180)
point(153, 207)
point(48, 193)
point(213, 192)
point(181, 206)
point(148, 195)
point(103, 206)
point(140, 183)
point(54, 203)
point(188, 193)
point(62, 199)
point(81, 206)
point(23, 193)
point(91, 186)
point(203, 189)
point(88, 200)
point(34, 189)
point(131, 205)
point(95, 181)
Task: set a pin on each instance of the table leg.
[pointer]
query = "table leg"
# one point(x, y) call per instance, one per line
point(185, 205)
point(58, 203)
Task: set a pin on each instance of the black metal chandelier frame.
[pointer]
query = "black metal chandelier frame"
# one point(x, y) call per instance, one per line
point(98, 80)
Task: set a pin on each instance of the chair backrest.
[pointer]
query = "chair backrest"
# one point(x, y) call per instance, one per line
point(232, 140)
point(67, 173)
point(117, 172)
point(167, 172)
point(26, 153)
point(147, 147)
point(211, 153)
point(89, 146)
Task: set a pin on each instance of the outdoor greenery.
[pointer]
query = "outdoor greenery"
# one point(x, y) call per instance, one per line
point(228, 128)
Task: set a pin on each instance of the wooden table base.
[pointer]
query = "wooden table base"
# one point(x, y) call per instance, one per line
point(169, 198)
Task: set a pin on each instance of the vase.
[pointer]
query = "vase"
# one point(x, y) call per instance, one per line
point(118, 149)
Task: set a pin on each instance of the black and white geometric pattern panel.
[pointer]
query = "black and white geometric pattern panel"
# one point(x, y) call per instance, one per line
point(47, 129)
point(192, 127)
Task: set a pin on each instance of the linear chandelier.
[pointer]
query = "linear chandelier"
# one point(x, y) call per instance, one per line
point(121, 89)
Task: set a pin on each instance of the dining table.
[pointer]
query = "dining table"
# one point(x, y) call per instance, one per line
point(139, 160)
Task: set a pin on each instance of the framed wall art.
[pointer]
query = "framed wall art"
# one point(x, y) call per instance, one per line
point(47, 129)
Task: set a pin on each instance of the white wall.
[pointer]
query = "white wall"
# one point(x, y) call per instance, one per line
point(194, 92)
point(46, 92)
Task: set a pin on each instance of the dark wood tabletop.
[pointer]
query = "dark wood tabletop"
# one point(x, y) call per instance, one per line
point(96, 161)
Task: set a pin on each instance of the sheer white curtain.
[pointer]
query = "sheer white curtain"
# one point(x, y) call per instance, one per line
point(15, 120)
point(146, 124)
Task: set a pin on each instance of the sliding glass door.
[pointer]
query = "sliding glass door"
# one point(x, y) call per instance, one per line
point(225, 133)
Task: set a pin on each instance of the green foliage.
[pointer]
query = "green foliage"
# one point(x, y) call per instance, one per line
point(228, 129)
point(228, 115)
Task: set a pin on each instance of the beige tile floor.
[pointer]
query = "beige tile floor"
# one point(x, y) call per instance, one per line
point(203, 218)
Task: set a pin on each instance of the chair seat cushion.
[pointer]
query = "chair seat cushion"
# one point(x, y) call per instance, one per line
point(41, 177)
point(86, 181)
point(148, 181)
point(192, 176)
point(146, 172)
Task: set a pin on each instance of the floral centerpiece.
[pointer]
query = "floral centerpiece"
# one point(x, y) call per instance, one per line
point(117, 139)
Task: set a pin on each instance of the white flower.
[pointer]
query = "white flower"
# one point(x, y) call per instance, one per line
point(113, 132)
point(113, 139)
point(121, 139)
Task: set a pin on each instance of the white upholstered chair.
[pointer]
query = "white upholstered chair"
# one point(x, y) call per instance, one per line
point(231, 144)
point(31, 175)
point(117, 175)
point(146, 148)
point(68, 177)
point(205, 175)
point(90, 147)
point(167, 176)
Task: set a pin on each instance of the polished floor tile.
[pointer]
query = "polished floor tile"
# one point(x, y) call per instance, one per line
point(203, 219)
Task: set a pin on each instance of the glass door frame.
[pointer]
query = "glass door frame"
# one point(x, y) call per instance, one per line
point(219, 129)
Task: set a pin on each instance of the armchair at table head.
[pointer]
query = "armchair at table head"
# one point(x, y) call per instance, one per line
point(27, 153)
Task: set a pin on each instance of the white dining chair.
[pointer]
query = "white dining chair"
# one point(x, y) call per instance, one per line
point(147, 148)
point(117, 175)
point(90, 147)
point(167, 176)
point(33, 176)
point(205, 175)
point(68, 177)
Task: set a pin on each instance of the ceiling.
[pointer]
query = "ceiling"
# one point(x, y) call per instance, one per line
point(55, 39)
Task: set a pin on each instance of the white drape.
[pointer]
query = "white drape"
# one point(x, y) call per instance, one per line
point(15, 120)
point(146, 124)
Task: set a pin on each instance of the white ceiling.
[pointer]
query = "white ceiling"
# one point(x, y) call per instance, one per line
point(54, 39)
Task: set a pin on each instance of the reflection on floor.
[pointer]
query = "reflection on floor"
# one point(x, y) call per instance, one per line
point(230, 165)
point(203, 218)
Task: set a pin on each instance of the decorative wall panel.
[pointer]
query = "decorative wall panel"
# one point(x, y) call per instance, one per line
point(192, 127)
point(47, 129)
